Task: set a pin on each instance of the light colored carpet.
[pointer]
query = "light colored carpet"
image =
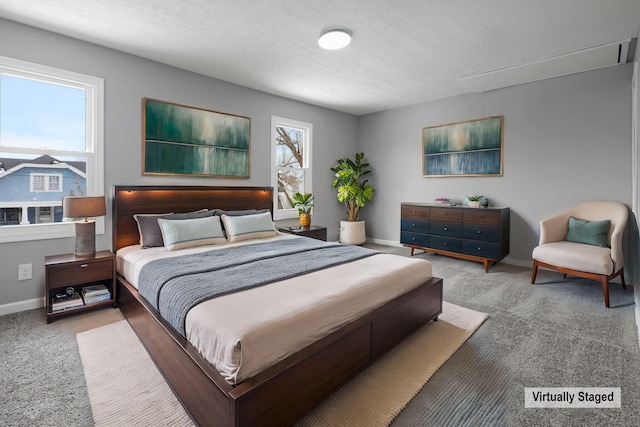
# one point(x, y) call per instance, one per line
point(125, 387)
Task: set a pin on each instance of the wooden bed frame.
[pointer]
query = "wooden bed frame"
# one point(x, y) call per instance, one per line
point(285, 392)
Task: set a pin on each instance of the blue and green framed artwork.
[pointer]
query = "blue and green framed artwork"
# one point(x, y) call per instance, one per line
point(471, 148)
point(182, 140)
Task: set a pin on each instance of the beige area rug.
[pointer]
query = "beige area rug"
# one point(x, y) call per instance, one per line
point(125, 387)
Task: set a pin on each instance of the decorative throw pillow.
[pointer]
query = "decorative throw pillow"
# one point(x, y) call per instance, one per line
point(247, 227)
point(187, 233)
point(589, 232)
point(150, 233)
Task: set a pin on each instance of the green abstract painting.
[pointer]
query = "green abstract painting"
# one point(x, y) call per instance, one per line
point(182, 140)
point(463, 149)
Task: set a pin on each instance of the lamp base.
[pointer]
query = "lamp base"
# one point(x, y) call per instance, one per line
point(85, 238)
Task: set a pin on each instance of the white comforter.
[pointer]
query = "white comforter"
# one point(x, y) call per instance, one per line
point(243, 333)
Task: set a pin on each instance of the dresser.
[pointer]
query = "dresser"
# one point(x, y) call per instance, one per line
point(475, 234)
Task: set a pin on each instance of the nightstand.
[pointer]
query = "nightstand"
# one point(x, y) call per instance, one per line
point(313, 231)
point(71, 271)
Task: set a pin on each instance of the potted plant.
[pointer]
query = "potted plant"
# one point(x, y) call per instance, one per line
point(303, 202)
point(474, 201)
point(354, 192)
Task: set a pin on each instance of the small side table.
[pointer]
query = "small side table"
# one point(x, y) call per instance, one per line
point(69, 270)
point(313, 231)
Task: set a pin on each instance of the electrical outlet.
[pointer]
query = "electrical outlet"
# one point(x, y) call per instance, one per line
point(24, 272)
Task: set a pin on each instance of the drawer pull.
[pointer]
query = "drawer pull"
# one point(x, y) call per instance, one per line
point(84, 265)
point(479, 249)
point(445, 243)
point(479, 232)
point(445, 229)
point(413, 225)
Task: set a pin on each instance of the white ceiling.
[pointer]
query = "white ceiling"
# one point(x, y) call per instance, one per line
point(403, 51)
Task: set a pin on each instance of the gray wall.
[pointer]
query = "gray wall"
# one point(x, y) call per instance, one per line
point(566, 140)
point(127, 80)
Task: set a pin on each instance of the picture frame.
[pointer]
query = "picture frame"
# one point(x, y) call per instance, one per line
point(468, 148)
point(182, 140)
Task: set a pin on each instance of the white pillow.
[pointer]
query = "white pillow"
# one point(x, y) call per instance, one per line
point(186, 233)
point(247, 227)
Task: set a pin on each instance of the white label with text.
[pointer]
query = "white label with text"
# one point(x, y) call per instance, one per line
point(572, 397)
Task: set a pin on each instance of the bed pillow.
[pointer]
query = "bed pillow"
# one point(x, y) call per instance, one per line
point(150, 233)
point(589, 232)
point(245, 227)
point(187, 233)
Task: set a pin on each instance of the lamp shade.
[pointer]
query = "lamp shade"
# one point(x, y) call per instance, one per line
point(83, 207)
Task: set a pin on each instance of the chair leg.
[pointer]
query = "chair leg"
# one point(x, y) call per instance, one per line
point(605, 290)
point(624, 285)
point(534, 272)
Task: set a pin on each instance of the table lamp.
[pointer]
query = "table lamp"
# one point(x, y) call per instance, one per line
point(84, 207)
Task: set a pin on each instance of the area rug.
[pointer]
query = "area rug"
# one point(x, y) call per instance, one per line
point(125, 387)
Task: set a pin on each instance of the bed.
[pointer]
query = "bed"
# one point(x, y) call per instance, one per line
point(281, 393)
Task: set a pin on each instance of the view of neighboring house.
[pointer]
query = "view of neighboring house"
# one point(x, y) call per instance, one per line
point(31, 190)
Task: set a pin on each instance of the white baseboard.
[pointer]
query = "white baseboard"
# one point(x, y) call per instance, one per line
point(16, 307)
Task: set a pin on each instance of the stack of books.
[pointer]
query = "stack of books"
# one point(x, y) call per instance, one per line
point(95, 293)
point(66, 302)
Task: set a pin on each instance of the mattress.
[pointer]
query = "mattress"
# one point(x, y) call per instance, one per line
point(243, 333)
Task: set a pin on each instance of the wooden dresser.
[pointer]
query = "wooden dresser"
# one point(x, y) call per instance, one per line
point(476, 234)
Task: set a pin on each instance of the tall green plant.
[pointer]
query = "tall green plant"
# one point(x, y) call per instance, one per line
point(353, 191)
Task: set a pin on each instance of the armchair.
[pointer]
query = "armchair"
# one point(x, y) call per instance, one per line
point(601, 263)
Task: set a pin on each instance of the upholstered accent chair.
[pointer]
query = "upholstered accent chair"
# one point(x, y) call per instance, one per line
point(584, 241)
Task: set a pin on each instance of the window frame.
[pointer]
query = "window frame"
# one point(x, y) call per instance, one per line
point(94, 139)
point(307, 160)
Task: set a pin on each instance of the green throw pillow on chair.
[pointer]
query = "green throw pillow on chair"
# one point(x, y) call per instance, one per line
point(589, 232)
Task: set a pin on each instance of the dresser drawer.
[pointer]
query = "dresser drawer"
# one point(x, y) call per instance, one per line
point(485, 233)
point(448, 229)
point(79, 273)
point(414, 225)
point(446, 244)
point(414, 239)
point(446, 215)
point(481, 216)
point(415, 212)
point(481, 249)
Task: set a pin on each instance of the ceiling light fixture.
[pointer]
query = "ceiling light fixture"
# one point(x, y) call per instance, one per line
point(335, 38)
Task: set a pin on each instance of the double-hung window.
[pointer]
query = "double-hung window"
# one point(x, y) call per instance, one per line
point(291, 163)
point(51, 146)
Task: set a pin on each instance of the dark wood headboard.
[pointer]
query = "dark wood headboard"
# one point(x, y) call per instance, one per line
point(131, 200)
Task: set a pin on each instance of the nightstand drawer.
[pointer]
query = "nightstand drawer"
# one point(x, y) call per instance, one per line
point(79, 273)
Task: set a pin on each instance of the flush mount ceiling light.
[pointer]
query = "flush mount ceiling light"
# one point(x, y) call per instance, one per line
point(335, 38)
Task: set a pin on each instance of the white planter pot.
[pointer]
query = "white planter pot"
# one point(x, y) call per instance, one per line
point(473, 204)
point(352, 233)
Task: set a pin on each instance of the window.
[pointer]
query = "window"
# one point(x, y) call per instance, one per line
point(291, 163)
point(46, 182)
point(51, 146)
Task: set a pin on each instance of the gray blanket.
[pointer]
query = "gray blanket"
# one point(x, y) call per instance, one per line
point(174, 285)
